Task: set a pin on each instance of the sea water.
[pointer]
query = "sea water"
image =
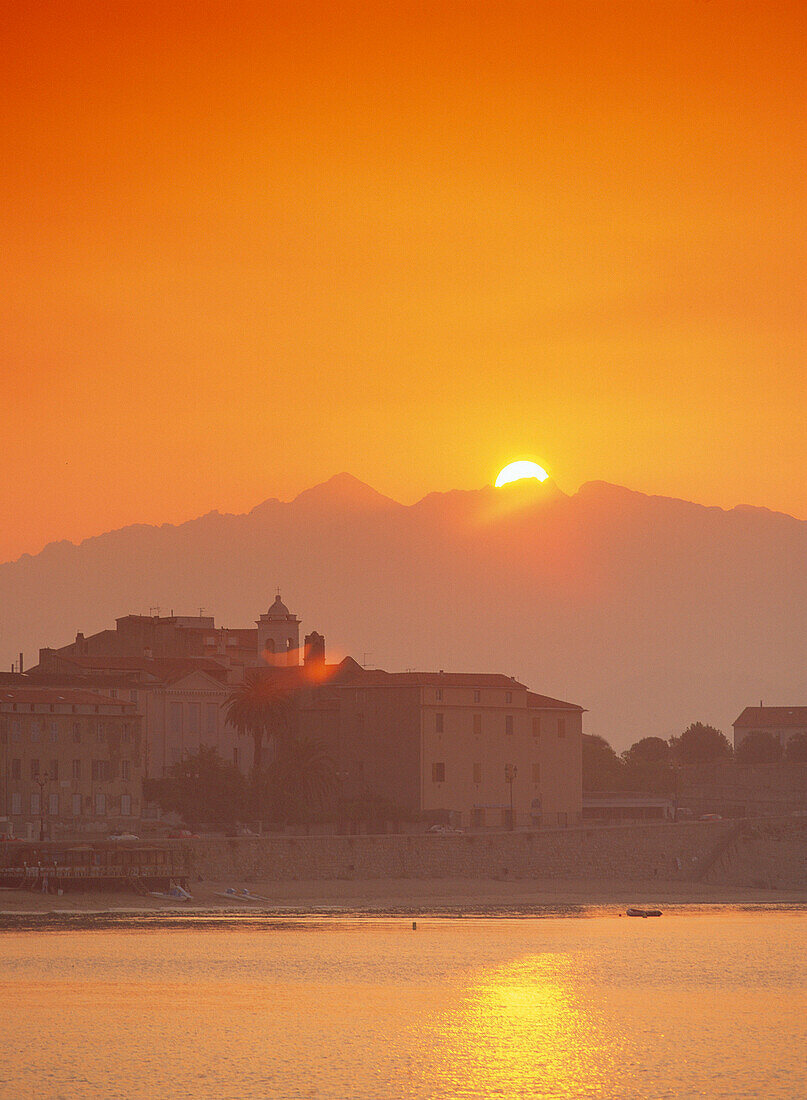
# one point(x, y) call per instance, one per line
point(693, 1004)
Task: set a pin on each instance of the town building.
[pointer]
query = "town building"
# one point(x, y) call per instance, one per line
point(781, 722)
point(466, 749)
point(72, 761)
point(181, 701)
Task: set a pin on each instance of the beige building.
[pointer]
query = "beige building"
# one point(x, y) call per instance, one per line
point(461, 747)
point(72, 761)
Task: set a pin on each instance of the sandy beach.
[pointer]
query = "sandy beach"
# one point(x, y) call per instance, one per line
point(415, 896)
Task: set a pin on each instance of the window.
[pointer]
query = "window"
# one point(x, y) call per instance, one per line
point(212, 718)
point(477, 773)
point(125, 769)
point(536, 773)
point(114, 693)
point(53, 804)
point(235, 757)
point(16, 769)
point(175, 717)
point(477, 723)
point(15, 729)
point(508, 697)
point(76, 733)
point(75, 807)
point(77, 769)
point(438, 773)
point(16, 803)
point(439, 695)
point(126, 733)
point(34, 769)
point(100, 731)
point(536, 725)
point(54, 733)
point(508, 723)
point(125, 805)
point(561, 727)
point(194, 718)
point(133, 695)
point(36, 802)
point(35, 728)
point(100, 802)
point(438, 722)
point(54, 771)
point(477, 818)
point(101, 771)
point(477, 696)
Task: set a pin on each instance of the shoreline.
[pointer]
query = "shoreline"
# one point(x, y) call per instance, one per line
point(390, 897)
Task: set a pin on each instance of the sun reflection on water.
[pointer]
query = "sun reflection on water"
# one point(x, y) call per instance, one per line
point(519, 1032)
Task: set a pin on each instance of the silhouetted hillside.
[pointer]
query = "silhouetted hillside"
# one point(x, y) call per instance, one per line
point(650, 612)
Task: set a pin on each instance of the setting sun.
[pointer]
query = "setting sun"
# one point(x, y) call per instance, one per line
point(516, 471)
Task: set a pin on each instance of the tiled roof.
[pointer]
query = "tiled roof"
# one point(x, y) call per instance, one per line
point(72, 696)
point(776, 717)
point(546, 702)
point(377, 677)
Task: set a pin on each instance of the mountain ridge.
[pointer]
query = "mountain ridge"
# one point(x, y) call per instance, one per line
point(650, 611)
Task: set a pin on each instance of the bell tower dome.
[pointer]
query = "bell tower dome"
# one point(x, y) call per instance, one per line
point(279, 635)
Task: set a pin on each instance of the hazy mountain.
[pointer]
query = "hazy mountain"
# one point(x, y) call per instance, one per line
point(651, 612)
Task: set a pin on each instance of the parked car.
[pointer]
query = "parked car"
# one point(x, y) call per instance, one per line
point(710, 817)
point(445, 830)
point(123, 836)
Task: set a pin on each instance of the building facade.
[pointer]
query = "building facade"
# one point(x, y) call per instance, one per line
point(470, 750)
point(781, 722)
point(72, 761)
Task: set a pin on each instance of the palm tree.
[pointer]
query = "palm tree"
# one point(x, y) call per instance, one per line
point(263, 707)
point(303, 775)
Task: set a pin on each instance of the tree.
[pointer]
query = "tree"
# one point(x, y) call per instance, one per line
point(300, 778)
point(702, 744)
point(796, 750)
point(649, 750)
point(203, 789)
point(648, 766)
point(602, 768)
point(262, 707)
point(759, 747)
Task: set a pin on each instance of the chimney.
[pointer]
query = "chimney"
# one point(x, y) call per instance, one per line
point(21, 668)
point(314, 651)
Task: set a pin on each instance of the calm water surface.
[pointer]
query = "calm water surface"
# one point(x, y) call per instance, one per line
point(694, 1004)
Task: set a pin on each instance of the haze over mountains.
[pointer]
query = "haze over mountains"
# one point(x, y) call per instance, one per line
point(650, 612)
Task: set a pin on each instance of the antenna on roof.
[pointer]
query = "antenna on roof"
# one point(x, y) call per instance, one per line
point(154, 611)
point(364, 659)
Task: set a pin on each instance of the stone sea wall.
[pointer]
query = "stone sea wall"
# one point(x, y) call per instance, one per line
point(666, 851)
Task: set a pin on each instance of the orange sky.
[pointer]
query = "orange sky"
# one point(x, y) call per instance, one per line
point(246, 246)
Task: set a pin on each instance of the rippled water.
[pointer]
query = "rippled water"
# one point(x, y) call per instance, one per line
point(692, 1004)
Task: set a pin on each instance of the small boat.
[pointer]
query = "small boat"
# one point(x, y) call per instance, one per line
point(175, 892)
point(245, 895)
point(643, 913)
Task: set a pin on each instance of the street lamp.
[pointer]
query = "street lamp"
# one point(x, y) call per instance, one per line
point(510, 772)
point(42, 781)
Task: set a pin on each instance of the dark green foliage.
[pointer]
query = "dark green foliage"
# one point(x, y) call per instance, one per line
point(759, 747)
point(203, 789)
point(701, 744)
point(263, 707)
point(602, 768)
point(298, 782)
point(649, 750)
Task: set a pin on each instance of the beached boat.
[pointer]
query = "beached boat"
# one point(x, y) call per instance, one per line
point(643, 913)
